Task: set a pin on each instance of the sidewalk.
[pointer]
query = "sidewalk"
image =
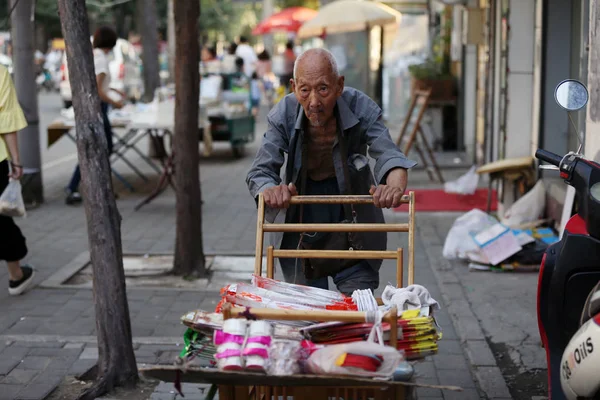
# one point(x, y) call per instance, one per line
point(48, 334)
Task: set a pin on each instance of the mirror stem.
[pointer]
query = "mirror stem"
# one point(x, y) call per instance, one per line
point(579, 138)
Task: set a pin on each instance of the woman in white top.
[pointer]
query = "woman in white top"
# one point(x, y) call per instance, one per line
point(105, 39)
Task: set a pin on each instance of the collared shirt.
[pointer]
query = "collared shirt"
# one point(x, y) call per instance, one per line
point(361, 122)
point(363, 129)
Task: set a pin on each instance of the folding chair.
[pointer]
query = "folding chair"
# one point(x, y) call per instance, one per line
point(420, 99)
point(397, 254)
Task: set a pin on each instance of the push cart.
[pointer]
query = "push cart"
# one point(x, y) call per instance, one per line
point(248, 385)
point(225, 125)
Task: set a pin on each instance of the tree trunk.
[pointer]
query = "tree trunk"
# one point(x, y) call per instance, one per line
point(149, 32)
point(22, 35)
point(189, 250)
point(116, 360)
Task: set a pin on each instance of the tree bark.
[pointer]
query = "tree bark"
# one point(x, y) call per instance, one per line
point(149, 32)
point(116, 359)
point(189, 250)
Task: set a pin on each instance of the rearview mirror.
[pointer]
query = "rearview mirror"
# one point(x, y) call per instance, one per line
point(571, 95)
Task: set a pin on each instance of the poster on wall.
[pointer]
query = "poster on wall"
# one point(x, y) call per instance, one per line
point(350, 50)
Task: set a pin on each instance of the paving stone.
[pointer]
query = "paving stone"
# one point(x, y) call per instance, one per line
point(492, 382)
point(445, 361)
point(78, 346)
point(424, 369)
point(456, 377)
point(466, 394)
point(164, 387)
point(9, 391)
point(81, 366)
point(163, 396)
point(35, 391)
point(62, 364)
point(468, 328)
point(19, 376)
point(35, 363)
point(53, 352)
point(48, 345)
point(11, 357)
point(428, 392)
point(479, 353)
point(7, 365)
point(49, 377)
point(450, 347)
point(168, 357)
point(89, 353)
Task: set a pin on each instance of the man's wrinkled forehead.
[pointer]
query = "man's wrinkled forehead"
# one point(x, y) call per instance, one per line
point(313, 67)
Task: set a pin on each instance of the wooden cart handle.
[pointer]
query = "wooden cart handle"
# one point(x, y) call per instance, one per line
point(341, 199)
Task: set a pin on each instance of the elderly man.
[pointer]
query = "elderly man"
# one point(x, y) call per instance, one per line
point(325, 130)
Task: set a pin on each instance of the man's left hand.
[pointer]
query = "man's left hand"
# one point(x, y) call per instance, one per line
point(390, 194)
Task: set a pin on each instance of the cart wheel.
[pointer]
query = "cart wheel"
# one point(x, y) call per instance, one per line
point(238, 150)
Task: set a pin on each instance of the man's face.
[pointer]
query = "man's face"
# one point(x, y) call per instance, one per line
point(317, 89)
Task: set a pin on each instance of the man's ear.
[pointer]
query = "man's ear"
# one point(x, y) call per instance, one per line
point(293, 85)
point(340, 84)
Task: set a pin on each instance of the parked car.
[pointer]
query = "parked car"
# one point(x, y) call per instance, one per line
point(125, 73)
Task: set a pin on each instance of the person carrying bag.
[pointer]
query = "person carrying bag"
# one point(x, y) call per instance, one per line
point(12, 242)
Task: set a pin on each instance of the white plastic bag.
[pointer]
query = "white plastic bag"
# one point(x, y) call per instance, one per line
point(528, 208)
point(459, 241)
point(324, 361)
point(11, 200)
point(466, 184)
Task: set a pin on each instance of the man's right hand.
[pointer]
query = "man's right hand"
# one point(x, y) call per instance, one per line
point(279, 196)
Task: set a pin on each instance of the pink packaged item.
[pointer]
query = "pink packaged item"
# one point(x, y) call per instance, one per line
point(229, 342)
point(256, 350)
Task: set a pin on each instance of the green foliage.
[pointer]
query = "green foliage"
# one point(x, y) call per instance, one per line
point(221, 17)
point(437, 66)
point(429, 70)
point(314, 4)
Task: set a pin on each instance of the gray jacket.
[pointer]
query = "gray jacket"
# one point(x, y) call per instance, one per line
point(363, 128)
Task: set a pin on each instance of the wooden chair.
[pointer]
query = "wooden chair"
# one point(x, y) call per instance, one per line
point(420, 99)
point(398, 254)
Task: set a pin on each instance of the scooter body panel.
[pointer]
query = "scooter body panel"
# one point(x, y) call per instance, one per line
point(569, 272)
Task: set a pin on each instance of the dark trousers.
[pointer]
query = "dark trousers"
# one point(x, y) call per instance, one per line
point(76, 178)
point(12, 241)
point(359, 276)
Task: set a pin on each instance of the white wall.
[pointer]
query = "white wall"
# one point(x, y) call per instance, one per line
point(521, 50)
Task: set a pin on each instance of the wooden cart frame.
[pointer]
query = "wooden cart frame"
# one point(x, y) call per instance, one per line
point(398, 254)
point(247, 385)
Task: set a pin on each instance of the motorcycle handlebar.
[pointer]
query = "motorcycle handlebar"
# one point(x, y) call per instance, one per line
point(548, 156)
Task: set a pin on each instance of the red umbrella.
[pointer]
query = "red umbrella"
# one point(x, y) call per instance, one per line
point(288, 20)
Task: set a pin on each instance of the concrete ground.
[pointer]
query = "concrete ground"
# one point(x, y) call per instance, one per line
point(488, 319)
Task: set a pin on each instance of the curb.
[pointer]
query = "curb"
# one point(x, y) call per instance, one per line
point(486, 372)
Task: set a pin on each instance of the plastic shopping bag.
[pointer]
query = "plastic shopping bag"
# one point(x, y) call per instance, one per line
point(528, 208)
point(459, 240)
point(11, 200)
point(466, 184)
point(330, 359)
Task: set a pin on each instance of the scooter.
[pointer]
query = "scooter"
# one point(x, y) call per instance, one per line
point(570, 268)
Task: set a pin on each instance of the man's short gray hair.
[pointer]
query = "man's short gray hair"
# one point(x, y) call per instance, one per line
point(321, 53)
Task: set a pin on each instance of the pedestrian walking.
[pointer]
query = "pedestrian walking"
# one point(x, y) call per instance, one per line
point(12, 242)
point(105, 39)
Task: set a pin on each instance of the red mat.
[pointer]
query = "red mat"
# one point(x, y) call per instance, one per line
point(438, 200)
